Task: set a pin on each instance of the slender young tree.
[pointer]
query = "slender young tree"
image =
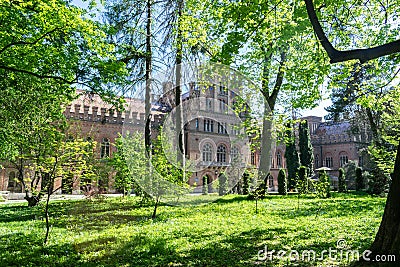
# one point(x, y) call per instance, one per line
point(305, 146)
point(342, 181)
point(292, 159)
point(282, 182)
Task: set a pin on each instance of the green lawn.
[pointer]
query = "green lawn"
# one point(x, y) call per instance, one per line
point(118, 232)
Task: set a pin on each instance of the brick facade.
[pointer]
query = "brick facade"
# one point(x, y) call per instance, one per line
point(90, 117)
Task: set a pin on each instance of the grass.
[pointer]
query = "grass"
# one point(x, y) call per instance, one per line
point(118, 232)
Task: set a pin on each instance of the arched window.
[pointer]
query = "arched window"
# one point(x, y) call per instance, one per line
point(328, 160)
point(11, 180)
point(270, 181)
point(316, 161)
point(207, 153)
point(344, 159)
point(234, 154)
point(279, 159)
point(105, 148)
point(221, 153)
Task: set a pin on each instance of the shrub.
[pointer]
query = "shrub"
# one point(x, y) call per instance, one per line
point(246, 183)
point(323, 187)
point(302, 184)
point(359, 179)
point(342, 181)
point(282, 182)
point(222, 187)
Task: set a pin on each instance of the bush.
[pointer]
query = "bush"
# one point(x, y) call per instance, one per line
point(205, 185)
point(323, 186)
point(222, 187)
point(282, 182)
point(342, 181)
point(246, 183)
point(359, 179)
point(378, 182)
point(302, 184)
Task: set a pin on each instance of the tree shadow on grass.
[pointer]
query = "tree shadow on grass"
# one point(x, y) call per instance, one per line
point(236, 250)
point(18, 249)
point(18, 213)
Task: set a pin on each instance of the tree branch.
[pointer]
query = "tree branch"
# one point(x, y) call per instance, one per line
point(29, 43)
point(335, 55)
point(37, 75)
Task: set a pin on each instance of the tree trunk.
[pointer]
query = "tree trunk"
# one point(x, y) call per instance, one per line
point(32, 200)
point(387, 240)
point(147, 131)
point(178, 90)
point(46, 214)
point(155, 209)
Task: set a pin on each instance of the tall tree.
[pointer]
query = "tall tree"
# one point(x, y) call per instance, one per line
point(263, 42)
point(305, 146)
point(292, 159)
point(386, 240)
point(48, 46)
point(282, 182)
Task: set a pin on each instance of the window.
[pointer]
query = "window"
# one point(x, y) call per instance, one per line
point(209, 104)
point(207, 153)
point(361, 161)
point(253, 158)
point(270, 181)
point(11, 180)
point(279, 160)
point(209, 126)
point(222, 127)
point(329, 162)
point(222, 105)
point(234, 154)
point(343, 160)
point(235, 129)
point(222, 90)
point(197, 124)
point(317, 161)
point(105, 148)
point(221, 153)
point(271, 161)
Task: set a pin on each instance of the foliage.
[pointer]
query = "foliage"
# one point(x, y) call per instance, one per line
point(246, 183)
point(323, 186)
point(222, 186)
point(360, 185)
point(166, 179)
point(302, 185)
point(282, 182)
point(305, 147)
point(205, 185)
point(292, 159)
point(342, 181)
point(124, 179)
point(350, 173)
point(378, 182)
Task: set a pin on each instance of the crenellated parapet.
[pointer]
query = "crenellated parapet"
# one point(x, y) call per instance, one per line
point(110, 116)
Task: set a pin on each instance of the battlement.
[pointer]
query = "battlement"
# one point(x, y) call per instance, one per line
point(104, 115)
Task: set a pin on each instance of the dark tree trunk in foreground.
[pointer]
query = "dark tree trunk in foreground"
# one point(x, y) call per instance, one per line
point(387, 240)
